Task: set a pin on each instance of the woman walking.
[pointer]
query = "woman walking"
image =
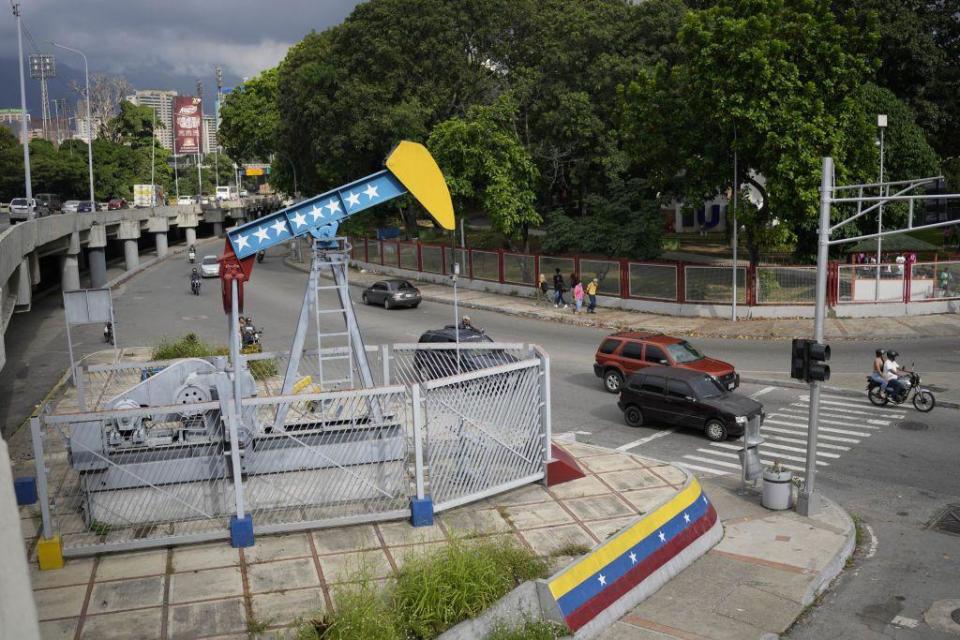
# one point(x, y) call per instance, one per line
point(578, 296)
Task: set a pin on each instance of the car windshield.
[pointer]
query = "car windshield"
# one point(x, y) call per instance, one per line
point(706, 387)
point(682, 352)
point(19, 202)
point(403, 285)
point(210, 260)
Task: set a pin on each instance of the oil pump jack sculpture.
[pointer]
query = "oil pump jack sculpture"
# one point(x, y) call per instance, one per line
point(137, 451)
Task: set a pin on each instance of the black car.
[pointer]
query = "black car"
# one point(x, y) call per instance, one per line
point(441, 363)
point(86, 206)
point(392, 293)
point(670, 396)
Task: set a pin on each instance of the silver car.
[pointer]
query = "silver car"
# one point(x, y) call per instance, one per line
point(70, 206)
point(22, 209)
point(210, 267)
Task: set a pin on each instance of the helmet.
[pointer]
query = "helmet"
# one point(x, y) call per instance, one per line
point(880, 353)
point(194, 269)
point(892, 355)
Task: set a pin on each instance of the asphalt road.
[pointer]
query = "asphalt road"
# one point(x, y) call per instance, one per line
point(894, 469)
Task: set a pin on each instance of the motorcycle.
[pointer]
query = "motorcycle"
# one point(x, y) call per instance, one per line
point(251, 335)
point(195, 286)
point(192, 256)
point(108, 333)
point(923, 399)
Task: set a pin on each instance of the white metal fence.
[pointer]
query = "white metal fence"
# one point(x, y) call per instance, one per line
point(786, 285)
point(870, 283)
point(460, 423)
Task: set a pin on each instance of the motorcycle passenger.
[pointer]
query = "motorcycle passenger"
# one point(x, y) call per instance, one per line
point(877, 374)
point(892, 374)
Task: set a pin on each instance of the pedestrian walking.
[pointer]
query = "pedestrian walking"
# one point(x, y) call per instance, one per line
point(558, 290)
point(592, 295)
point(578, 297)
point(542, 289)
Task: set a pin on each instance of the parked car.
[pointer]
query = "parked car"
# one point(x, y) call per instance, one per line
point(392, 294)
point(678, 397)
point(49, 203)
point(440, 363)
point(103, 206)
point(210, 267)
point(627, 352)
point(186, 200)
point(71, 206)
point(205, 198)
point(116, 203)
point(86, 206)
point(22, 209)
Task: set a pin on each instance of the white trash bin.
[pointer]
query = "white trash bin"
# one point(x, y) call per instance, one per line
point(777, 488)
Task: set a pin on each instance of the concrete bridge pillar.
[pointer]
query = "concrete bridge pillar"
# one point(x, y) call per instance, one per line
point(24, 288)
point(159, 226)
point(97, 256)
point(161, 244)
point(218, 229)
point(69, 272)
point(129, 232)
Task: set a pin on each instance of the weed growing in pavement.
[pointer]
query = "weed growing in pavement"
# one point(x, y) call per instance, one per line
point(255, 626)
point(189, 346)
point(363, 612)
point(530, 630)
point(100, 528)
point(571, 549)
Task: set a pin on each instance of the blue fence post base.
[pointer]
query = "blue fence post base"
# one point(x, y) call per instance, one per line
point(25, 489)
point(421, 512)
point(241, 531)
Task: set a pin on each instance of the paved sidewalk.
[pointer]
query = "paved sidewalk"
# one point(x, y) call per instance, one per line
point(766, 571)
point(835, 329)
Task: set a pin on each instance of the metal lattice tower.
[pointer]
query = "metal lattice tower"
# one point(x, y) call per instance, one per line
point(42, 67)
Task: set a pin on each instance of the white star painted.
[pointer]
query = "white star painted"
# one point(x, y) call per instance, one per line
point(279, 226)
point(663, 538)
point(603, 580)
point(300, 220)
point(262, 235)
point(705, 500)
point(353, 199)
point(242, 242)
point(686, 518)
point(316, 212)
point(334, 205)
point(633, 558)
point(371, 191)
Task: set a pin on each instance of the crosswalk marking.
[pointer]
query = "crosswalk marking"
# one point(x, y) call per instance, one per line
point(843, 424)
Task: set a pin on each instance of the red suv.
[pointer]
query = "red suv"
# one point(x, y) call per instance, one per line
point(627, 352)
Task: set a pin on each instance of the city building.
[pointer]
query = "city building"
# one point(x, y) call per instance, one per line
point(83, 131)
point(162, 101)
point(208, 138)
point(10, 118)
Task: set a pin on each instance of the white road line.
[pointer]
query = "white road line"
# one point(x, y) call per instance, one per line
point(770, 445)
point(821, 436)
point(637, 443)
point(856, 413)
point(846, 432)
point(763, 391)
point(805, 411)
point(874, 411)
point(712, 461)
point(822, 421)
point(695, 467)
point(736, 457)
point(820, 445)
point(872, 551)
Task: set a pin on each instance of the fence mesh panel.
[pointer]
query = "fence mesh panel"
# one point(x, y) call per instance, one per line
point(373, 251)
point(482, 433)
point(859, 283)
point(408, 256)
point(460, 256)
point(607, 273)
point(486, 265)
point(549, 266)
point(786, 285)
point(518, 269)
point(658, 281)
point(432, 258)
point(390, 253)
point(713, 284)
point(933, 280)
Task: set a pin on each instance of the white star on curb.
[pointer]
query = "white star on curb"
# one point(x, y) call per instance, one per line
point(704, 499)
point(334, 205)
point(242, 242)
point(371, 191)
point(262, 235)
point(663, 538)
point(300, 220)
point(603, 580)
point(353, 199)
point(686, 518)
point(279, 226)
point(633, 558)
point(316, 212)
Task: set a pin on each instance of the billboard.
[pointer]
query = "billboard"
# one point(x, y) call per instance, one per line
point(187, 124)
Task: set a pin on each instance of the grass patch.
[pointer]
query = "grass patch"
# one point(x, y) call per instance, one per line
point(571, 549)
point(530, 630)
point(255, 626)
point(100, 528)
point(432, 592)
point(191, 346)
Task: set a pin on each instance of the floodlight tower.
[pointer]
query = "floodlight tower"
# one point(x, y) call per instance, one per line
point(43, 66)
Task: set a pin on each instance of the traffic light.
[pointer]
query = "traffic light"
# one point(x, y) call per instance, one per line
point(807, 360)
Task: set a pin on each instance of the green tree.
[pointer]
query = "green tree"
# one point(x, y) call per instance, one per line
point(772, 79)
point(250, 119)
point(487, 168)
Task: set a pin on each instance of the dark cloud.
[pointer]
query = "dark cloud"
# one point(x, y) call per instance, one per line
point(171, 44)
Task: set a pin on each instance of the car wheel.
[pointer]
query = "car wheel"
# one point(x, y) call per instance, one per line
point(716, 431)
point(612, 381)
point(633, 416)
point(387, 304)
point(364, 298)
point(414, 306)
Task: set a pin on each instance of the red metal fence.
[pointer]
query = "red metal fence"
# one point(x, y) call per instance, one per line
point(677, 281)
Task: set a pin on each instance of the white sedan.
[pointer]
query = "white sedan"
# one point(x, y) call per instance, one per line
point(210, 267)
point(186, 200)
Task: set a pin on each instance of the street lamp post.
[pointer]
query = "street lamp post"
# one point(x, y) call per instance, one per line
point(736, 188)
point(24, 136)
point(153, 156)
point(881, 124)
point(86, 74)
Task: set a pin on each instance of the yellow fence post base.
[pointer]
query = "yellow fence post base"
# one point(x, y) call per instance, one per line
point(50, 553)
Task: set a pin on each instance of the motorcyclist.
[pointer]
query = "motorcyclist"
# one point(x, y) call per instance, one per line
point(192, 253)
point(194, 279)
point(892, 372)
point(877, 374)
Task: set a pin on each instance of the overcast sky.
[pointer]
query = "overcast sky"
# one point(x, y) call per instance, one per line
point(166, 44)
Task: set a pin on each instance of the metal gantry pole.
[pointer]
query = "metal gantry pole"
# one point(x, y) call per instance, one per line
point(86, 81)
point(736, 188)
point(24, 134)
point(808, 503)
point(876, 292)
point(234, 424)
point(153, 156)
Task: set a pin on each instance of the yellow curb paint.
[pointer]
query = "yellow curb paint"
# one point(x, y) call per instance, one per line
point(50, 553)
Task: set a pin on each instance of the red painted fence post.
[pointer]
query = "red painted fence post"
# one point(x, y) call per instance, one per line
point(500, 266)
point(470, 262)
point(419, 257)
point(366, 250)
point(624, 279)
point(681, 282)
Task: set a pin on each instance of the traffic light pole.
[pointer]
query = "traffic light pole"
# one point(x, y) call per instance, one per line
point(808, 503)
